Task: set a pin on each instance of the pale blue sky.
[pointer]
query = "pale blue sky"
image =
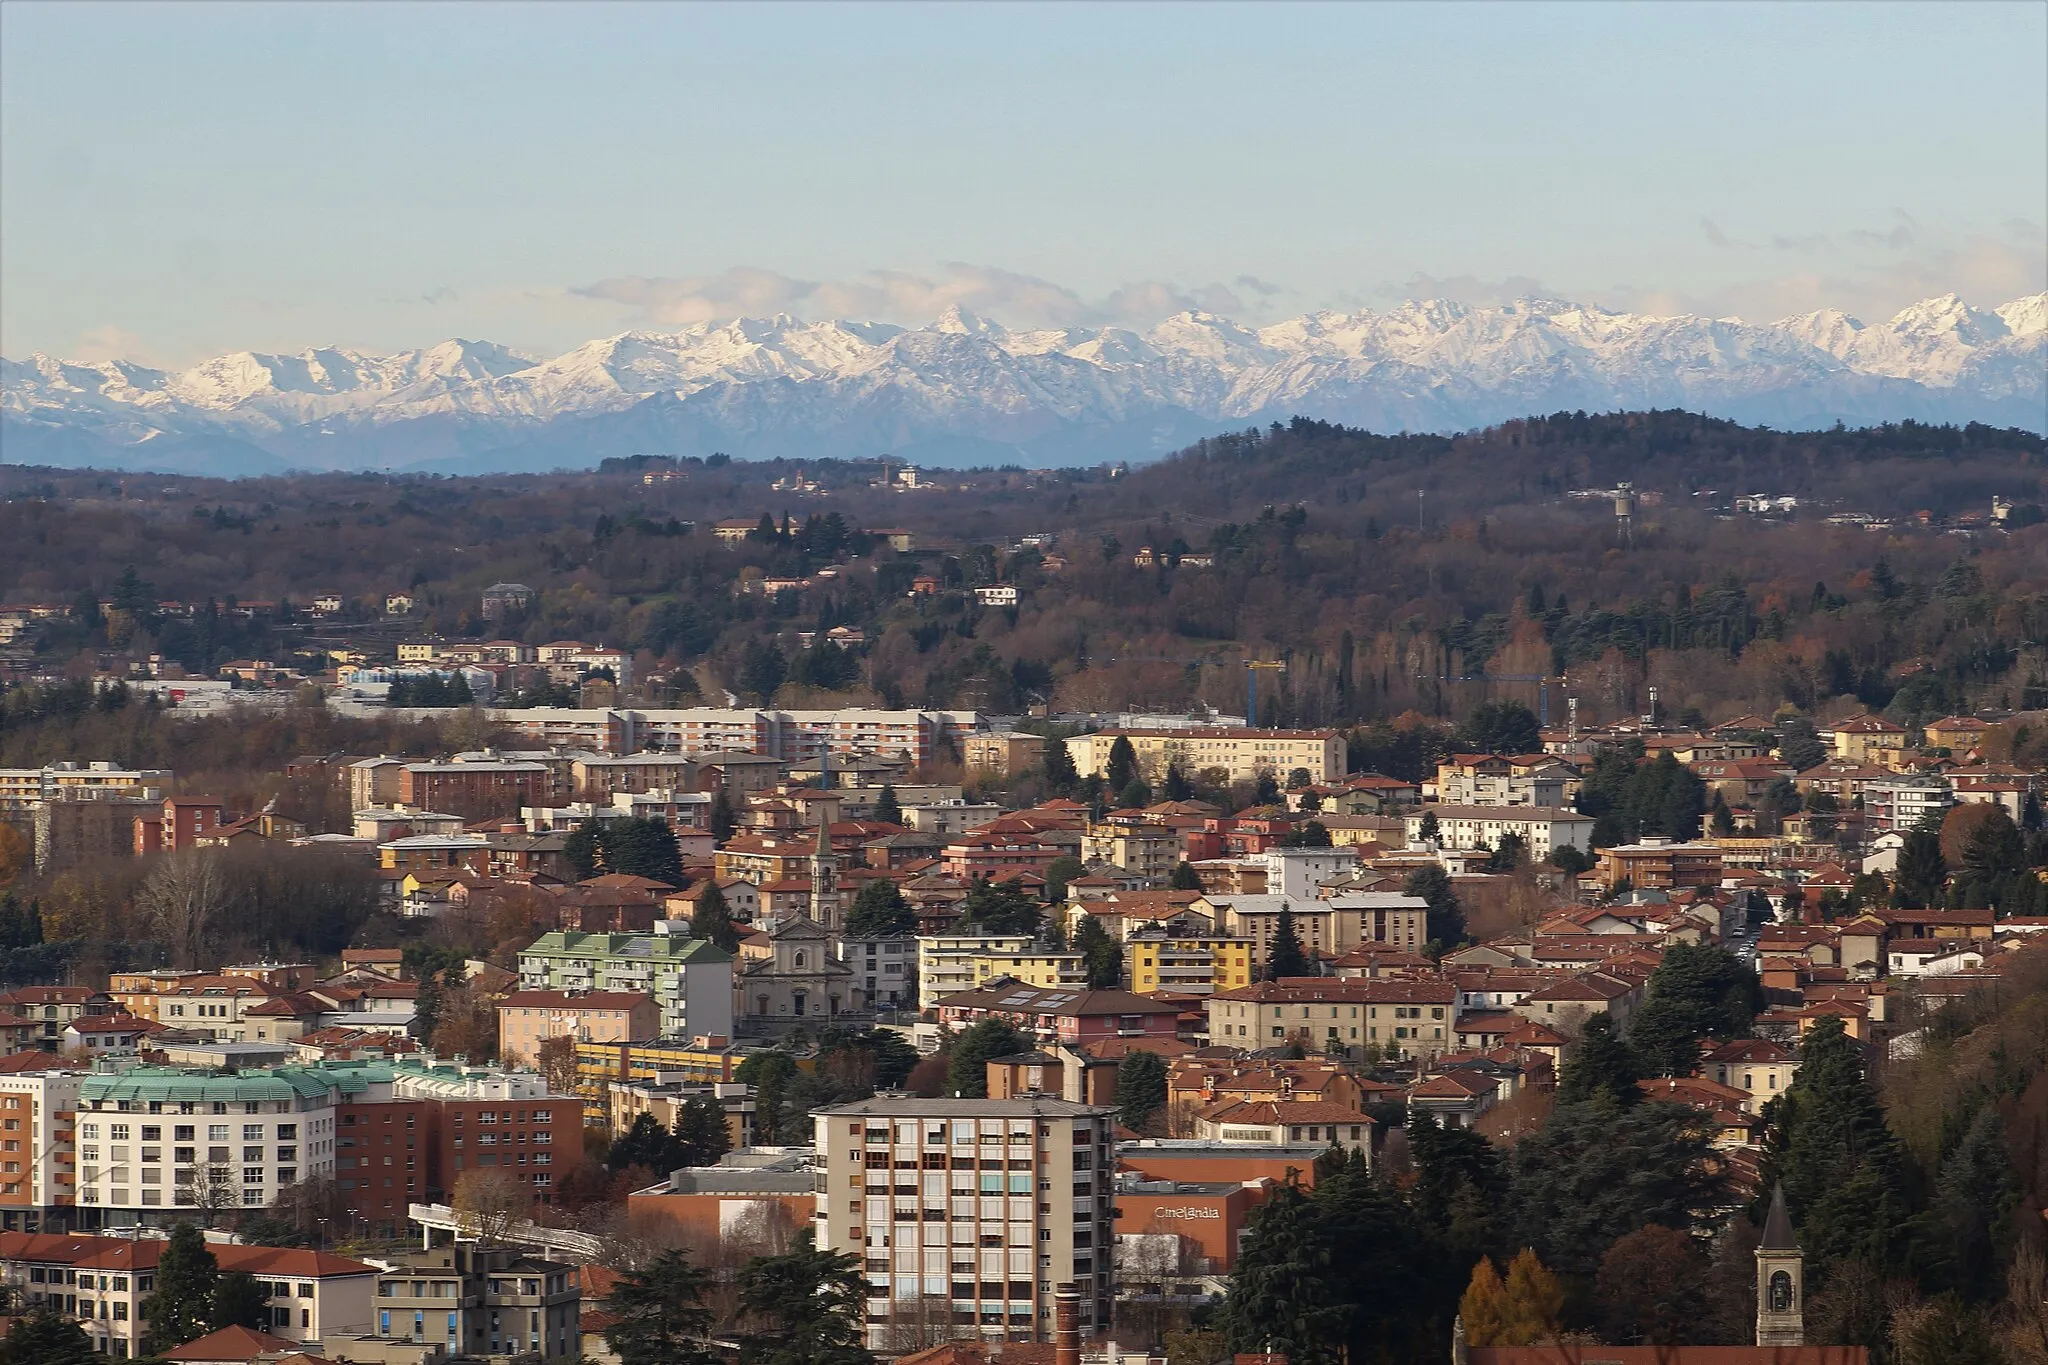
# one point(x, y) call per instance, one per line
point(176, 181)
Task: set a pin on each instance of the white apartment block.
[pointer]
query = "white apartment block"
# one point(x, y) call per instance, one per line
point(792, 736)
point(1243, 754)
point(1299, 873)
point(155, 1142)
point(1543, 828)
point(972, 1212)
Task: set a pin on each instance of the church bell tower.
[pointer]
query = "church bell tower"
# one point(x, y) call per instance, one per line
point(1780, 1280)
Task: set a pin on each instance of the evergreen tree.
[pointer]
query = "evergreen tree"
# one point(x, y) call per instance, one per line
point(701, 1132)
point(1059, 873)
point(721, 818)
point(1922, 874)
point(1135, 794)
point(1102, 955)
point(1185, 877)
point(1460, 1187)
point(46, 1337)
point(1429, 831)
point(239, 1300)
point(712, 919)
point(1698, 990)
point(1512, 852)
point(648, 1143)
point(1175, 786)
point(1140, 1089)
point(805, 1307)
point(1060, 773)
point(1594, 1173)
point(1723, 819)
point(888, 810)
point(1500, 727)
point(584, 848)
point(1000, 908)
point(1284, 955)
point(1285, 1294)
point(1394, 1303)
point(879, 911)
point(1445, 923)
point(181, 1309)
point(1799, 745)
point(659, 1314)
point(967, 1067)
point(1600, 1067)
point(1841, 1167)
point(771, 1074)
point(1973, 1202)
point(1122, 768)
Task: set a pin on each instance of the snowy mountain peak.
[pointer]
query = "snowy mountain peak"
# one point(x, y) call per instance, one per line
point(966, 387)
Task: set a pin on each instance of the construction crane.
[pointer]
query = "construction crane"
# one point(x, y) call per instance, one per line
point(1542, 681)
point(1251, 686)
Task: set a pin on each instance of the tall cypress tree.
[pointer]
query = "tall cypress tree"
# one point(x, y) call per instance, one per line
point(1284, 956)
point(1841, 1167)
point(181, 1309)
point(712, 919)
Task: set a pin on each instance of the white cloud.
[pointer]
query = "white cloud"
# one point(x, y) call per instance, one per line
point(109, 343)
point(901, 296)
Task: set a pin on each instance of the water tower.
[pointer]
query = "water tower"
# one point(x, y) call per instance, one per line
point(1625, 512)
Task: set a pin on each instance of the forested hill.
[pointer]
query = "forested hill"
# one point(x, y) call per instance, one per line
point(1887, 470)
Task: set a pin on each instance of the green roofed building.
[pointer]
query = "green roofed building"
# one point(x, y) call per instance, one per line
point(689, 978)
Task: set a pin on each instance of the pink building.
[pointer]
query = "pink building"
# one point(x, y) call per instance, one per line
point(528, 1018)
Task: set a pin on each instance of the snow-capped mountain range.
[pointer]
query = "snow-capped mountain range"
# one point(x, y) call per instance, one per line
point(968, 390)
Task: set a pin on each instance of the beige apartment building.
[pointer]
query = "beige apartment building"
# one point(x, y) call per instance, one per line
point(1241, 753)
point(971, 1213)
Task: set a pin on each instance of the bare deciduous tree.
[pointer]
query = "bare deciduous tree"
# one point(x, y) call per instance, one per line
point(488, 1201)
point(183, 899)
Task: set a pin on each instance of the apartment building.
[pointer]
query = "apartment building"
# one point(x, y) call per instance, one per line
point(1490, 780)
point(1334, 925)
point(1243, 754)
point(1200, 965)
point(883, 968)
point(1543, 829)
point(526, 1019)
point(485, 787)
point(382, 1149)
point(1657, 863)
point(38, 1149)
point(156, 1143)
point(1905, 803)
point(789, 736)
point(691, 979)
point(476, 1301)
point(103, 1283)
point(973, 1210)
point(22, 790)
point(946, 964)
point(1148, 851)
point(1403, 1019)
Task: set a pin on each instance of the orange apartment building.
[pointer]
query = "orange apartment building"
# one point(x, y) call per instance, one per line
point(1656, 863)
point(38, 1149)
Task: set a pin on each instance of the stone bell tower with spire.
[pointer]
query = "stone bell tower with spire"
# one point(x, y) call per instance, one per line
point(824, 869)
point(1780, 1280)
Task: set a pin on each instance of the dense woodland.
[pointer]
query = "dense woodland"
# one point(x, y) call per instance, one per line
point(1380, 602)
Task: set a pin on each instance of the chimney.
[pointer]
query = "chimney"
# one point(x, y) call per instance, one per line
point(1066, 1329)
